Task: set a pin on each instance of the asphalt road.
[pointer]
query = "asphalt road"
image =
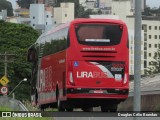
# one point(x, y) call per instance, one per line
point(106, 118)
point(102, 116)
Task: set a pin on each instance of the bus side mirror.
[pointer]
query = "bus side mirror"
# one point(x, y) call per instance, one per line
point(31, 57)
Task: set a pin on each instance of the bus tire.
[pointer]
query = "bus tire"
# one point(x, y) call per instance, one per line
point(104, 109)
point(87, 109)
point(60, 106)
point(69, 109)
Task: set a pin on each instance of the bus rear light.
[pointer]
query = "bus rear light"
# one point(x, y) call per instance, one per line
point(121, 27)
point(125, 79)
point(71, 78)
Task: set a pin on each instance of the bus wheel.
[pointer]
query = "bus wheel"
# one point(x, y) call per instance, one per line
point(104, 109)
point(69, 109)
point(87, 109)
point(41, 107)
point(113, 108)
point(60, 104)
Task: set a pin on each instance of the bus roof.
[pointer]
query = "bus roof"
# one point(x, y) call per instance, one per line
point(90, 20)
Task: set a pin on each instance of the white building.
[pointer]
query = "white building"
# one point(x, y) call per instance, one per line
point(151, 39)
point(105, 3)
point(3, 15)
point(64, 13)
point(41, 17)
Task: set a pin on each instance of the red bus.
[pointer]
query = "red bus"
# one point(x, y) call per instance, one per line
point(81, 64)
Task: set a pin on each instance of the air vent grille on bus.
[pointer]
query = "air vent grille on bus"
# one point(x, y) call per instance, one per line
point(98, 54)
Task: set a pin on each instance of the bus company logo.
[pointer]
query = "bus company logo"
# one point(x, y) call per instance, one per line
point(85, 74)
point(117, 67)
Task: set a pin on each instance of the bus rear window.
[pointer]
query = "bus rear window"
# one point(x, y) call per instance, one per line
point(99, 34)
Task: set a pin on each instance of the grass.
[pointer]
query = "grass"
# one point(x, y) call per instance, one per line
point(5, 109)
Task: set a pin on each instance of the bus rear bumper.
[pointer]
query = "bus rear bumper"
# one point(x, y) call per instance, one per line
point(97, 93)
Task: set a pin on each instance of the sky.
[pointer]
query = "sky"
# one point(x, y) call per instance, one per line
point(151, 3)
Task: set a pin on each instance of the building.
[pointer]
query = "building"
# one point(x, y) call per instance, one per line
point(64, 13)
point(151, 29)
point(46, 2)
point(23, 12)
point(41, 17)
point(3, 15)
point(19, 20)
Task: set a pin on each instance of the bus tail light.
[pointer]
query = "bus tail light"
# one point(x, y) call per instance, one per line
point(71, 78)
point(125, 79)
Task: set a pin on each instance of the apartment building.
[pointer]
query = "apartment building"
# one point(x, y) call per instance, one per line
point(64, 13)
point(151, 29)
point(41, 17)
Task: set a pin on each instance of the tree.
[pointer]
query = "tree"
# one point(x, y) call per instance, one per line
point(15, 39)
point(25, 3)
point(79, 9)
point(6, 5)
point(155, 65)
point(151, 11)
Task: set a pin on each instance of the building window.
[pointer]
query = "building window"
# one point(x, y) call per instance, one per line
point(145, 37)
point(47, 16)
point(55, 22)
point(144, 27)
point(159, 27)
point(159, 46)
point(33, 17)
point(150, 27)
point(150, 36)
point(155, 45)
point(159, 36)
point(149, 54)
point(65, 15)
point(150, 45)
point(145, 55)
point(145, 64)
point(145, 46)
point(155, 36)
point(46, 23)
point(33, 24)
point(155, 27)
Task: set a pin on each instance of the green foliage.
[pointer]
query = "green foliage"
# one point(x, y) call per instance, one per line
point(15, 39)
point(151, 11)
point(155, 65)
point(6, 5)
point(25, 3)
point(79, 9)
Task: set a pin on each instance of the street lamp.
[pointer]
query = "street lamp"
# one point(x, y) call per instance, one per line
point(25, 79)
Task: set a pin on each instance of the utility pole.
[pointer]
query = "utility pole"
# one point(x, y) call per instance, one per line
point(137, 57)
point(6, 58)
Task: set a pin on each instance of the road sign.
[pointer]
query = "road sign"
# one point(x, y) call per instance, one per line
point(4, 80)
point(4, 90)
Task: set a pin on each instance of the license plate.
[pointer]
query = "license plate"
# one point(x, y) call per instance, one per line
point(98, 91)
